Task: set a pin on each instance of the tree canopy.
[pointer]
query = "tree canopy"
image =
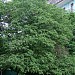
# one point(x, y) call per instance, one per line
point(39, 38)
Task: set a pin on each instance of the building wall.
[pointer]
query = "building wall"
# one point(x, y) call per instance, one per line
point(68, 6)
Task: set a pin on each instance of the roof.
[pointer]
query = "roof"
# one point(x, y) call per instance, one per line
point(54, 1)
point(59, 3)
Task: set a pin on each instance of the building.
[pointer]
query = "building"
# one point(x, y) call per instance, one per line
point(6, 1)
point(68, 5)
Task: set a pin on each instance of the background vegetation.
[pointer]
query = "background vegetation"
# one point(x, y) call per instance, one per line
point(40, 38)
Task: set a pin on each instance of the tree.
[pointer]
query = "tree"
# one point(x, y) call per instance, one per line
point(36, 38)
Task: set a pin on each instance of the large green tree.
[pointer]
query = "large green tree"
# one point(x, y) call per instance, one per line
point(36, 39)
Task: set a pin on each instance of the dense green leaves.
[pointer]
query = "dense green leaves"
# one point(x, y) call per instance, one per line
point(38, 39)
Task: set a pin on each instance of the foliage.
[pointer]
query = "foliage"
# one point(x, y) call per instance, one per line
point(37, 39)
